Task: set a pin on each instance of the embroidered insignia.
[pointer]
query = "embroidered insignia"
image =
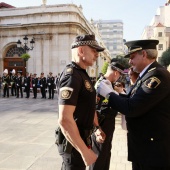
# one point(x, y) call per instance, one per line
point(69, 70)
point(88, 85)
point(66, 92)
point(152, 82)
point(152, 69)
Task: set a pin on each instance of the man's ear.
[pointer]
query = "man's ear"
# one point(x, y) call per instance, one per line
point(80, 51)
point(144, 53)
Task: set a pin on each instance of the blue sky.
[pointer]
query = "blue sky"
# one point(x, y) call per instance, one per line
point(135, 14)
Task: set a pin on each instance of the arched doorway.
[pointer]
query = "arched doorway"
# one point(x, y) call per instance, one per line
point(12, 60)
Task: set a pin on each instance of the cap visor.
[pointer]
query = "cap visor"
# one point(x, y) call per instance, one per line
point(98, 48)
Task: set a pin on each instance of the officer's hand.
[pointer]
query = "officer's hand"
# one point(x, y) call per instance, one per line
point(89, 157)
point(104, 88)
point(100, 136)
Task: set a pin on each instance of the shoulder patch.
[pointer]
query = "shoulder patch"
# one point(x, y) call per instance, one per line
point(152, 83)
point(88, 85)
point(69, 70)
point(66, 92)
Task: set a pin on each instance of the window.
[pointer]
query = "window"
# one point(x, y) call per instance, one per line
point(14, 51)
point(160, 47)
point(159, 34)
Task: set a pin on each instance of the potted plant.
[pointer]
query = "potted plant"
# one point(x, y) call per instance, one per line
point(25, 56)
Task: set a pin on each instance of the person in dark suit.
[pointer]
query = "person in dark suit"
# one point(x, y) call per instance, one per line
point(146, 108)
point(50, 83)
point(19, 85)
point(34, 85)
point(27, 82)
point(43, 83)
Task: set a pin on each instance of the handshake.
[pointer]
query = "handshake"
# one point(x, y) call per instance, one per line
point(104, 88)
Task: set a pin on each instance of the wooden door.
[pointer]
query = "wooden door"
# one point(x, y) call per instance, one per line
point(15, 63)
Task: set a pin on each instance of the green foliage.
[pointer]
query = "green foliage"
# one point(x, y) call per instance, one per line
point(104, 68)
point(25, 56)
point(165, 58)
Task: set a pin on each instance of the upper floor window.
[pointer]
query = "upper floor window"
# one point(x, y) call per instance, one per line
point(160, 47)
point(159, 34)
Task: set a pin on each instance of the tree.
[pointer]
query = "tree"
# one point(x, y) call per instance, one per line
point(104, 68)
point(25, 56)
point(165, 58)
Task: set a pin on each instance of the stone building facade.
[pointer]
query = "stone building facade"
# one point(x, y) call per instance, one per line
point(53, 29)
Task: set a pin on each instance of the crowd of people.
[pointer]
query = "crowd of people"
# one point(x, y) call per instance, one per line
point(15, 84)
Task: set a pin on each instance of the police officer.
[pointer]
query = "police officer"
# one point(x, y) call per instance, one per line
point(34, 85)
point(50, 83)
point(5, 83)
point(43, 83)
point(27, 82)
point(13, 84)
point(103, 150)
point(19, 85)
point(77, 104)
point(146, 108)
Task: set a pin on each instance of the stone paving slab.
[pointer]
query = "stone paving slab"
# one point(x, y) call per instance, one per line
point(27, 138)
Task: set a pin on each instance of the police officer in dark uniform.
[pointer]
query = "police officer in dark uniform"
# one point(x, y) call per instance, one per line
point(19, 85)
point(34, 85)
point(12, 81)
point(43, 83)
point(27, 82)
point(50, 83)
point(103, 150)
point(146, 108)
point(5, 83)
point(77, 105)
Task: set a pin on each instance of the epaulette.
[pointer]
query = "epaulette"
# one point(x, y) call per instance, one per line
point(69, 69)
point(152, 69)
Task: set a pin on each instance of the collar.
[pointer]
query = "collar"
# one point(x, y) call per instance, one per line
point(143, 71)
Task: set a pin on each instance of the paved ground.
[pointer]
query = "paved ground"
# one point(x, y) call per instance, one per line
point(27, 136)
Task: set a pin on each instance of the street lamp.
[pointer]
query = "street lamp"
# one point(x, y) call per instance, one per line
point(25, 47)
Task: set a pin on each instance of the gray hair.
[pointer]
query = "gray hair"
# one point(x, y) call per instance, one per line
point(151, 53)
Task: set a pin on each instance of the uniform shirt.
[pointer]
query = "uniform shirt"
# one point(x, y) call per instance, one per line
point(76, 89)
point(13, 78)
point(6, 79)
point(19, 81)
point(43, 82)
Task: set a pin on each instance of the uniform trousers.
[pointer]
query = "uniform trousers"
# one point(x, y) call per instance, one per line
point(19, 88)
point(35, 92)
point(103, 150)
point(43, 92)
point(138, 166)
point(72, 161)
point(51, 91)
point(13, 89)
point(27, 90)
point(6, 90)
